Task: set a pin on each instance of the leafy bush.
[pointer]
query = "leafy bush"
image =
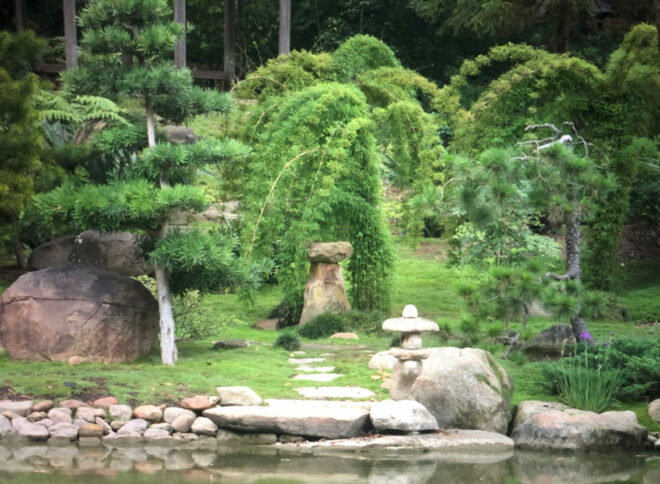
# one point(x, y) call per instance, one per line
point(364, 321)
point(288, 340)
point(583, 382)
point(192, 321)
point(322, 326)
point(286, 313)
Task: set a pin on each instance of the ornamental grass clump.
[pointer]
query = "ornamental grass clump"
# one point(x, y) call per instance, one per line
point(584, 383)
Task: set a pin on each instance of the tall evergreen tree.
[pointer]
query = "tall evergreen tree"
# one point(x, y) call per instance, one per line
point(127, 48)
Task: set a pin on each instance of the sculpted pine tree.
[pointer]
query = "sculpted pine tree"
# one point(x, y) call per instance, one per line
point(127, 49)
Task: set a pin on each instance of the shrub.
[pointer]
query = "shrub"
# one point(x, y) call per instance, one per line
point(364, 321)
point(286, 313)
point(322, 326)
point(288, 340)
point(584, 383)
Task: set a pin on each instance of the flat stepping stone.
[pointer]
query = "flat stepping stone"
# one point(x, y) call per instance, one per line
point(477, 446)
point(323, 393)
point(319, 377)
point(315, 369)
point(309, 420)
point(327, 404)
point(330, 347)
point(305, 361)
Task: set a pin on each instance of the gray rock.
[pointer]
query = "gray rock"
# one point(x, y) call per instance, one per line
point(89, 414)
point(68, 312)
point(5, 425)
point(402, 415)
point(163, 426)
point(549, 343)
point(204, 426)
point(46, 422)
point(64, 430)
point(323, 393)
point(150, 413)
point(103, 424)
point(654, 410)
point(309, 420)
point(36, 416)
point(133, 427)
point(467, 441)
point(238, 396)
point(78, 422)
point(552, 426)
point(124, 440)
point(383, 360)
point(182, 423)
point(156, 434)
point(60, 415)
point(329, 252)
point(229, 437)
point(115, 425)
point(22, 407)
point(462, 388)
point(30, 430)
point(232, 344)
point(121, 412)
point(179, 134)
point(171, 413)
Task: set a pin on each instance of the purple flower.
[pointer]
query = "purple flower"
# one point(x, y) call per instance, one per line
point(584, 336)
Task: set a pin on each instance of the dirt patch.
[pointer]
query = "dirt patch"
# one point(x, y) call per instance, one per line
point(432, 250)
point(640, 241)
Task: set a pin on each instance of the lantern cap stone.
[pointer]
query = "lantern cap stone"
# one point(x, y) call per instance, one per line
point(410, 322)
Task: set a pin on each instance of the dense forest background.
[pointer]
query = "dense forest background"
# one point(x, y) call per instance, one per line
point(431, 37)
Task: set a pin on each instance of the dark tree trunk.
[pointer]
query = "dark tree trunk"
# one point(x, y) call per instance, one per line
point(284, 46)
point(229, 60)
point(180, 46)
point(657, 20)
point(19, 18)
point(70, 33)
point(572, 222)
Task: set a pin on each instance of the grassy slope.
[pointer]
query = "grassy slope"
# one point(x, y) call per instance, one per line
point(420, 278)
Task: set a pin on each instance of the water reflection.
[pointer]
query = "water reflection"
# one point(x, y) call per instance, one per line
point(153, 464)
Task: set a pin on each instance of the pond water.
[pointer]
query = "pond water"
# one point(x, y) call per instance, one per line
point(44, 464)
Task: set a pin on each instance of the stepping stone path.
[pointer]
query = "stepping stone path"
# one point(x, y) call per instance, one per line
point(322, 374)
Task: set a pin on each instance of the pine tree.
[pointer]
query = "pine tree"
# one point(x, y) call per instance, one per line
point(127, 49)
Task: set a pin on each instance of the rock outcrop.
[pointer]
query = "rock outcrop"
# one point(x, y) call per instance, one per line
point(117, 252)
point(79, 312)
point(463, 388)
point(552, 426)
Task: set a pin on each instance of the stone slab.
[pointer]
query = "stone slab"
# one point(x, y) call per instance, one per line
point(317, 377)
point(305, 361)
point(323, 393)
point(308, 420)
point(315, 369)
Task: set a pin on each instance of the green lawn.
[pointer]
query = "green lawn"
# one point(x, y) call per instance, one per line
point(420, 277)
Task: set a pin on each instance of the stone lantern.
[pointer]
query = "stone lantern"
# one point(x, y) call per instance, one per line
point(410, 355)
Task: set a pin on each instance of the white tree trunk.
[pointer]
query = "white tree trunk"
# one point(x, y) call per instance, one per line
point(168, 352)
point(151, 127)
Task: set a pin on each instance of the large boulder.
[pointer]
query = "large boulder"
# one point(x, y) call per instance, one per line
point(463, 388)
point(552, 426)
point(550, 343)
point(118, 252)
point(77, 311)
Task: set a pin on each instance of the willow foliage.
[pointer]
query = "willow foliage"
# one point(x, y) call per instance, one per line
point(315, 177)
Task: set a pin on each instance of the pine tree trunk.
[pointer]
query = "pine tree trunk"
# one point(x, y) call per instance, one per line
point(229, 58)
point(284, 45)
point(180, 46)
point(20, 7)
point(70, 33)
point(151, 127)
point(21, 261)
point(572, 223)
point(168, 352)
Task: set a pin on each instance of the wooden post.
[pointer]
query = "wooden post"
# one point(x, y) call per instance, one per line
point(70, 33)
point(20, 9)
point(180, 46)
point(229, 59)
point(284, 46)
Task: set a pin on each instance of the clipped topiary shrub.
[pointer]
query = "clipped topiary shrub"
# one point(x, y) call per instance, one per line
point(361, 53)
point(322, 326)
point(288, 340)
